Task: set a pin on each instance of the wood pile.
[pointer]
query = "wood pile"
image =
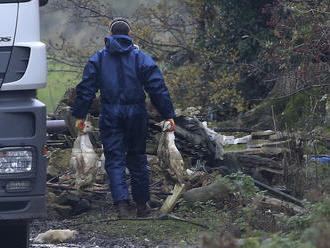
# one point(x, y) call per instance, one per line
point(273, 159)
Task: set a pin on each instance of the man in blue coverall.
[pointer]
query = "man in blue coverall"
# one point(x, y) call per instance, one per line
point(122, 72)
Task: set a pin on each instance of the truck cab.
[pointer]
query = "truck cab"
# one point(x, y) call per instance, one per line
point(23, 70)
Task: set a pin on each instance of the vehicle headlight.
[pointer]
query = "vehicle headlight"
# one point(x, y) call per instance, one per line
point(15, 161)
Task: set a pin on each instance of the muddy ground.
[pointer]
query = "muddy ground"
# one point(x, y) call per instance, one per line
point(94, 231)
point(99, 227)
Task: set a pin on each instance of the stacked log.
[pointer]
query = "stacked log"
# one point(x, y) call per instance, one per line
point(273, 158)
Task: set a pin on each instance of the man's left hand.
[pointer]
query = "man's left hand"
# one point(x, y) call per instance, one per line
point(171, 126)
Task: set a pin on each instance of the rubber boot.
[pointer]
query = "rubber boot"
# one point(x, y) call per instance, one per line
point(142, 210)
point(123, 209)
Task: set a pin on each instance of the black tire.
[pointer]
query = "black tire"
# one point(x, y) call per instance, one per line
point(14, 234)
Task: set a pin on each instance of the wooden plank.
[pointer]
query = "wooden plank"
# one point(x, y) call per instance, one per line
point(171, 200)
point(275, 171)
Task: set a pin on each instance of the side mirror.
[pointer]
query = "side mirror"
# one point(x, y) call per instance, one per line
point(42, 2)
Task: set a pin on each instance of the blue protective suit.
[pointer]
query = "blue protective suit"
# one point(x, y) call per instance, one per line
point(122, 73)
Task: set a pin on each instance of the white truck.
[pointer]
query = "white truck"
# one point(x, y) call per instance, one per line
point(23, 70)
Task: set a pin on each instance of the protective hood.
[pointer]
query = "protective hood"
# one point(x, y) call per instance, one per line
point(119, 44)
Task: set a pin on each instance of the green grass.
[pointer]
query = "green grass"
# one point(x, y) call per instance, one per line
point(58, 83)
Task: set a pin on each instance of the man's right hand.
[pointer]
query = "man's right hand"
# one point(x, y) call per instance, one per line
point(80, 125)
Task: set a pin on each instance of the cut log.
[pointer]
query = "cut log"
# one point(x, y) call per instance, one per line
point(262, 134)
point(257, 143)
point(241, 160)
point(279, 144)
point(274, 171)
point(60, 186)
point(217, 191)
point(279, 136)
point(274, 150)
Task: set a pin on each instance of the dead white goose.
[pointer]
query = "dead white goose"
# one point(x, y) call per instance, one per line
point(171, 161)
point(84, 159)
point(55, 236)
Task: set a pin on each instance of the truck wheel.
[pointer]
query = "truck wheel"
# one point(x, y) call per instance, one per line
point(14, 234)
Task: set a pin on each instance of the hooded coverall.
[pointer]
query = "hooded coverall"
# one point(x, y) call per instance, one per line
point(122, 72)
